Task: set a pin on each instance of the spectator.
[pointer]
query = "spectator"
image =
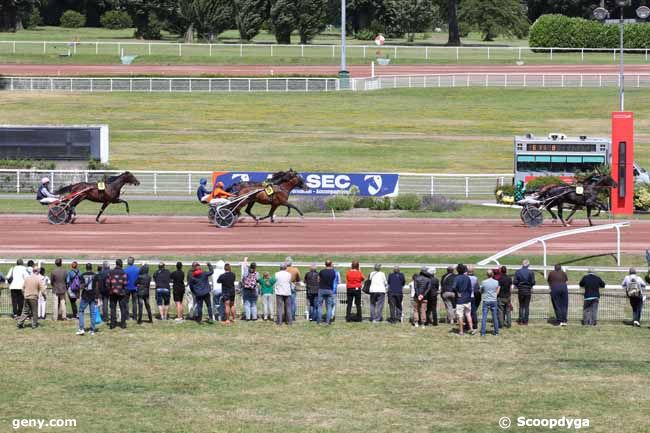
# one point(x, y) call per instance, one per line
point(524, 281)
point(132, 273)
point(396, 283)
point(16, 278)
point(353, 282)
point(59, 289)
point(116, 285)
point(591, 284)
point(283, 295)
point(227, 281)
point(178, 285)
point(421, 290)
point(162, 280)
point(326, 281)
point(634, 289)
point(42, 297)
point(504, 299)
point(73, 282)
point(217, 298)
point(266, 283)
point(557, 283)
point(144, 286)
point(432, 302)
point(411, 289)
point(476, 291)
point(490, 290)
point(295, 279)
point(378, 284)
point(33, 285)
point(463, 289)
point(89, 294)
point(200, 286)
point(249, 285)
point(448, 295)
point(335, 287)
point(311, 286)
point(102, 289)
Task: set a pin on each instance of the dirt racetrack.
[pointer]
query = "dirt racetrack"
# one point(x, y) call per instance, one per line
point(187, 236)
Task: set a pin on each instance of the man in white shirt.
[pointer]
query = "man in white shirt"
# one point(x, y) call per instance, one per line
point(283, 295)
point(634, 289)
point(17, 276)
point(44, 196)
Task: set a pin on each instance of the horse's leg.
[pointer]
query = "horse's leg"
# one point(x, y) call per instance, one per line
point(589, 215)
point(248, 210)
point(550, 210)
point(570, 217)
point(294, 207)
point(559, 214)
point(270, 214)
point(126, 203)
point(101, 211)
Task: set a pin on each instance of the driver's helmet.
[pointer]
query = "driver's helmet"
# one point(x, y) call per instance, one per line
point(203, 181)
point(220, 184)
point(45, 180)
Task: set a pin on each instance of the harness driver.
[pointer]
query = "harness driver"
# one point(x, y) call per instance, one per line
point(43, 195)
point(202, 193)
point(219, 195)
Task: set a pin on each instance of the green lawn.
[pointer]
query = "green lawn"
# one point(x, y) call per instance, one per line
point(253, 377)
point(410, 130)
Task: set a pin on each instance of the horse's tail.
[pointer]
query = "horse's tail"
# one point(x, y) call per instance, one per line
point(64, 190)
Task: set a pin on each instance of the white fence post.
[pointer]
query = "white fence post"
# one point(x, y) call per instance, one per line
point(466, 186)
point(241, 50)
point(189, 183)
point(17, 181)
point(155, 183)
point(44, 47)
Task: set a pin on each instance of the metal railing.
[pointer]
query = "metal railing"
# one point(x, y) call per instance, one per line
point(167, 85)
point(185, 182)
point(432, 54)
point(517, 80)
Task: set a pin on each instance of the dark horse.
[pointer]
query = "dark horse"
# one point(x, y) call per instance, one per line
point(109, 194)
point(275, 179)
point(283, 185)
point(559, 195)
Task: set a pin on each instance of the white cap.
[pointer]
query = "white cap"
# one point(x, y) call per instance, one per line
point(45, 180)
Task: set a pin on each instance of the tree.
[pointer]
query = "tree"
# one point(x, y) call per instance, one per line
point(495, 17)
point(13, 11)
point(147, 15)
point(283, 20)
point(449, 9)
point(250, 16)
point(208, 17)
point(408, 17)
point(571, 8)
point(310, 18)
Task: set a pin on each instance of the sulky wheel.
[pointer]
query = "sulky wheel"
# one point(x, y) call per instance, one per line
point(57, 215)
point(521, 214)
point(72, 214)
point(532, 216)
point(211, 214)
point(224, 218)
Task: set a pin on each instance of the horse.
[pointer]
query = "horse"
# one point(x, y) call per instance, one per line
point(557, 196)
point(109, 194)
point(280, 197)
point(275, 179)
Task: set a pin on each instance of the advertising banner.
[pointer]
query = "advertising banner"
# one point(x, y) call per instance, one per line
point(368, 184)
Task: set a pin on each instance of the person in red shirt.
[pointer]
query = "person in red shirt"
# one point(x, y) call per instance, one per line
point(354, 280)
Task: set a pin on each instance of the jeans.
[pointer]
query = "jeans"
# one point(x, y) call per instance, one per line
point(122, 300)
point(218, 306)
point(449, 298)
point(524, 308)
point(133, 297)
point(143, 301)
point(283, 304)
point(395, 305)
point(590, 312)
point(505, 315)
point(82, 308)
point(104, 312)
point(490, 306)
point(377, 306)
point(73, 304)
point(560, 299)
point(17, 301)
point(476, 303)
point(200, 300)
point(294, 304)
point(637, 308)
point(313, 306)
point(267, 301)
point(353, 297)
point(250, 308)
point(329, 298)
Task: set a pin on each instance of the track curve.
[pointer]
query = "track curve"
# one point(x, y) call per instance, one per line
point(186, 236)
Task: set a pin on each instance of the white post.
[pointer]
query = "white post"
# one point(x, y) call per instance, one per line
point(457, 54)
point(426, 53)
point(111, 84)
point(241, 50)
point(488, 52)
point(466, 187)
point(395, 51)
point(210, 50)
point(14, 48)
point(618, 245)
point(96, 48)
point(17, 181)
point(302, 50)
point(372, 69)
point(333, 50)
point(155, 183)
point(189, 183)
point(150, 85)
point(432, 186)
point(582, 54)
point(180, 50)
point(364, 51)
point(519, 53)
point(119, 49)
point(544, 247)
point(44, 47)
point(74, 47)
point(149, 48)
point(271, 50)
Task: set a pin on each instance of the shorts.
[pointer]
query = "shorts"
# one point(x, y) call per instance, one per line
point(228, 297)
point(162, 297)
point(461, 309)
point(179, 295)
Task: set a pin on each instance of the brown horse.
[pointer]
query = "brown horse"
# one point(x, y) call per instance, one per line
point(110, 193)
point(280, 197)
point(275, 179)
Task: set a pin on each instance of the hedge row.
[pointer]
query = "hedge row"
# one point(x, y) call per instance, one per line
point(559, 31)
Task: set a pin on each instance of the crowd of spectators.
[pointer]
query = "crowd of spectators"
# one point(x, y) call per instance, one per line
point(101, 291)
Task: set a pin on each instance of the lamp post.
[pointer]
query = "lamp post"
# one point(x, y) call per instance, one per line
point(344, 75)
point(602, 14)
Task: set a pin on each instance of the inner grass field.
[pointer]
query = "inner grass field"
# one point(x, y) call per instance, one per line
point(255, 376)
point(408, 130)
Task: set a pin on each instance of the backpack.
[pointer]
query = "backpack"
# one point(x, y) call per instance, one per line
point(250, 281)
point(633, 290)
point(77, 283)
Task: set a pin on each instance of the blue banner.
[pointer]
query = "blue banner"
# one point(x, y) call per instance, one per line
point(367, 184)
